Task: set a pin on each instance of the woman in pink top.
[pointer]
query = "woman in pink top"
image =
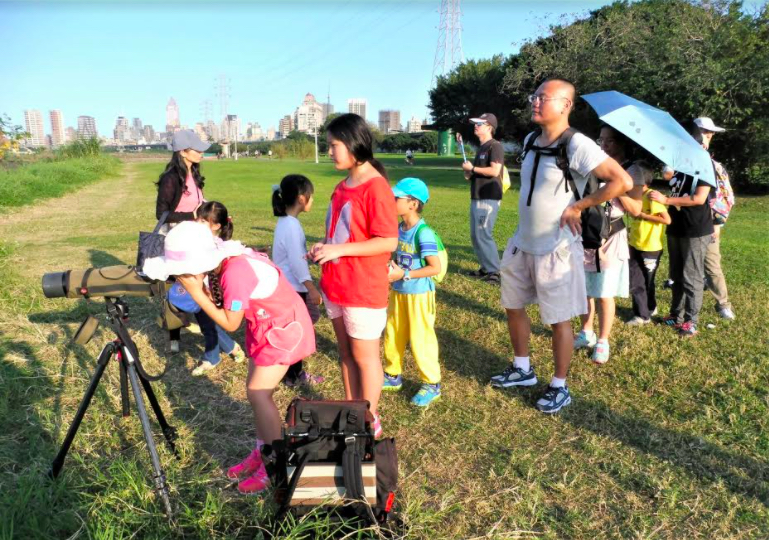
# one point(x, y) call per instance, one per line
point(180, 187)
point(180, 191)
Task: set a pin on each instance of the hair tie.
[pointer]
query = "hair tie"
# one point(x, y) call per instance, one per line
point(275, 187)
point(229, 219)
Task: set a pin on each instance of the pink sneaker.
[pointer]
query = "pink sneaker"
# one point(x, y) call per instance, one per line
point(247, 467)
point(376, 425)
point(256, 482)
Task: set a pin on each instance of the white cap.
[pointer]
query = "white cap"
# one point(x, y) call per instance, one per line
point(706, 124)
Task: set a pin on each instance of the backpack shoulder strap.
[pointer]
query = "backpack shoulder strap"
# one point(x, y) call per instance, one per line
point(562, 159)
point(530, 142)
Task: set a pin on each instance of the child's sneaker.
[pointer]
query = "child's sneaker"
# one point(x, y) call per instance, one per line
point(426, 395)
point(585, 340)
point(601, 352)
point(671, 321)
point(688, 329)
point(203, 367)
point(554, 399)
point(514, 376)
point(237, 354)
point(173, 346)
point(376, 426)
point(247, 467)
point(392, 382)
point(637, 321)
point(255, 483)
point(193, 328)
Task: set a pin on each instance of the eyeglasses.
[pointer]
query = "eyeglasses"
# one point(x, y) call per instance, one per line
point(534, 98)
point(607, 140)
point(481, 124)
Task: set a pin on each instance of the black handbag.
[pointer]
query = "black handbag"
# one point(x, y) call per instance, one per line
point(151, 244)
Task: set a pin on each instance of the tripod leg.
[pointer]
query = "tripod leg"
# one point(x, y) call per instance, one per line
point(126, 404)
point(101, 364)
point(160, 477)
point(169, 432)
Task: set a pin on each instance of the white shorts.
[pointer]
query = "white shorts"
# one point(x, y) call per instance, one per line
point(360, 322)
point(555, 281)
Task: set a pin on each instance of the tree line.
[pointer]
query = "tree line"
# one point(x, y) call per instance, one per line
point(689, 58)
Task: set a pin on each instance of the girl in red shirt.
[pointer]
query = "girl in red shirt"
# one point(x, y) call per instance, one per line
point(361, 233)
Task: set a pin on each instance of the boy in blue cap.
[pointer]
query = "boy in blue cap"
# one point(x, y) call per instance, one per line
point(411, 313)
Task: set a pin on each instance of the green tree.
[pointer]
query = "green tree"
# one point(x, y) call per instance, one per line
point(10, 136)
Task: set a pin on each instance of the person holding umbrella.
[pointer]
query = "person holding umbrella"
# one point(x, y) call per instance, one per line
point(543, 262)
point(485, 177)
point(689, 235)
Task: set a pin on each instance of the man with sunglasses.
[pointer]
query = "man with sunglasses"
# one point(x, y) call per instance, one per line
point(543, 261)
point(485, 176)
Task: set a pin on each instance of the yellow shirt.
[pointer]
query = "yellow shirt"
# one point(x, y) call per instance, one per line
point(646, 235)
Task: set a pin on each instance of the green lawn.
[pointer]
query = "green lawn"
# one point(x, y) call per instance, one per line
point(667, 440)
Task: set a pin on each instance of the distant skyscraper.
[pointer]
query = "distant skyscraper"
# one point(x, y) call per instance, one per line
point(285, 126)
point(136, 129)
point(58, 136)
point(71, 134)
point(212, 130)
point(200, 131)
point(172, 115)
point(414, 125)
point(389, 121)
point(308, 115)
point(357, 106)
point(328, 109)
point(231, 127)
point(271, 133)
point(149, 133)
point(86, 127)
point(33, 119)
point(121, 132)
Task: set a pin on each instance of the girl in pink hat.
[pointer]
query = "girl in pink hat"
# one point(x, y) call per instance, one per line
point(243, 284)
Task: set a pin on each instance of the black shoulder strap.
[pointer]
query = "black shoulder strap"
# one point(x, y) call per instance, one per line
point(352, 469)
point(562, 158)
point(530, 142)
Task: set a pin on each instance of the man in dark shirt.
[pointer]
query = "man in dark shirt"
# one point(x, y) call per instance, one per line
point(485, 176)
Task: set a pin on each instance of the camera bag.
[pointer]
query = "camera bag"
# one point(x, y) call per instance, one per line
point(328, 457)
point(151, 244)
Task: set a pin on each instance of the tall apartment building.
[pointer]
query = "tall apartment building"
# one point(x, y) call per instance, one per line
point(212, 130)
point(136, 129)
point(414, 125)
point(271, 133)
point(357, 106)
point(285, 126)
point(231, 128)
point(149, 133)
point(58, 135)
point(309, 115)
point(389, 121)
point(328, 109)
point(86, 127)
point(33, 120)
point(121, 131)
point(71, 134)
point(172, 116)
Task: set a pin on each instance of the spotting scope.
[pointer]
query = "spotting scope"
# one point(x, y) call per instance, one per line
point(109, 281)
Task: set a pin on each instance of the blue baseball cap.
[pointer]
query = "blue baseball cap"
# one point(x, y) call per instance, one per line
point(412, 187)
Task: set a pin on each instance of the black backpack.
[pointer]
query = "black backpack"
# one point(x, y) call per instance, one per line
point(328, 456)
point(597, 225)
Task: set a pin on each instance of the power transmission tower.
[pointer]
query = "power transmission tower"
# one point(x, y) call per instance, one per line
point(448, 52)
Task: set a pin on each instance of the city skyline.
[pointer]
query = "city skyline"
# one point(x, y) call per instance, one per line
point(257, 58)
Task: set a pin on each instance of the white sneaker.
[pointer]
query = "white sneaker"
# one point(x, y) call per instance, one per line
point(203, 366)
point(173, 345)
point(727, 314)
point(585, 340)
point(193, 328)
point(637, 321)
point(237, 354)
point(654, 313)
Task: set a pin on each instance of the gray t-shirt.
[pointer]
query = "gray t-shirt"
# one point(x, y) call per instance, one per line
point(539, 231)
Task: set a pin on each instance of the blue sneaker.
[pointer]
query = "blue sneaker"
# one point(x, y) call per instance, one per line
point(585, 340)
point(554, 399)
point(426, 395)
point(514, 376)
point(392, 383)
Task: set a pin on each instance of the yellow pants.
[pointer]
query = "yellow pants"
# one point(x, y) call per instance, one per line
point(411, 319)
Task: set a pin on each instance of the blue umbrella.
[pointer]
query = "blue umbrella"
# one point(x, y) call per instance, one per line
point(656, 131)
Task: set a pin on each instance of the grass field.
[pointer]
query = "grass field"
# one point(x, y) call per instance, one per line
point(668, 440)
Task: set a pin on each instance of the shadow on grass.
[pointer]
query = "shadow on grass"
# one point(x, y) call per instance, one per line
point(703, 460)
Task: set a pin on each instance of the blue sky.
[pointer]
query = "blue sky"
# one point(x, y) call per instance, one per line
point(107, 59)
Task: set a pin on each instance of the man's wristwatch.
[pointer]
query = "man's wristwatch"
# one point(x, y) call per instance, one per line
point(406, 276)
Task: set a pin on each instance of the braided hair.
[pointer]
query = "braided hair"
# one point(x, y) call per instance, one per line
point(215, 287)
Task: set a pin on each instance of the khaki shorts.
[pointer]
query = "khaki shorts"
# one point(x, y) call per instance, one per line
point(360, 322)
point(555, 281)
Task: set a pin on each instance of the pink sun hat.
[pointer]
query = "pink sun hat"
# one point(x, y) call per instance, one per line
point(190, 248)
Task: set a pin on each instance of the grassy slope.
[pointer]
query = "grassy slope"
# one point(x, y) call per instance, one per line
point(668, 440)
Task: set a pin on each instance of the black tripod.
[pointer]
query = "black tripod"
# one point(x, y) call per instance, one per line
point(124, 350)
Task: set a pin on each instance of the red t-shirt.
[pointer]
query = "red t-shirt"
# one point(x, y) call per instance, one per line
point(358, 214)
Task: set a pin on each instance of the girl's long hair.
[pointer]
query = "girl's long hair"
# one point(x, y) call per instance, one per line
point(178, 170)
point(288, 192)
point(216, 212)
point(355, 134)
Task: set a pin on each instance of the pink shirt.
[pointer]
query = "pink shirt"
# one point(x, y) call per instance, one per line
point(192, 197)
